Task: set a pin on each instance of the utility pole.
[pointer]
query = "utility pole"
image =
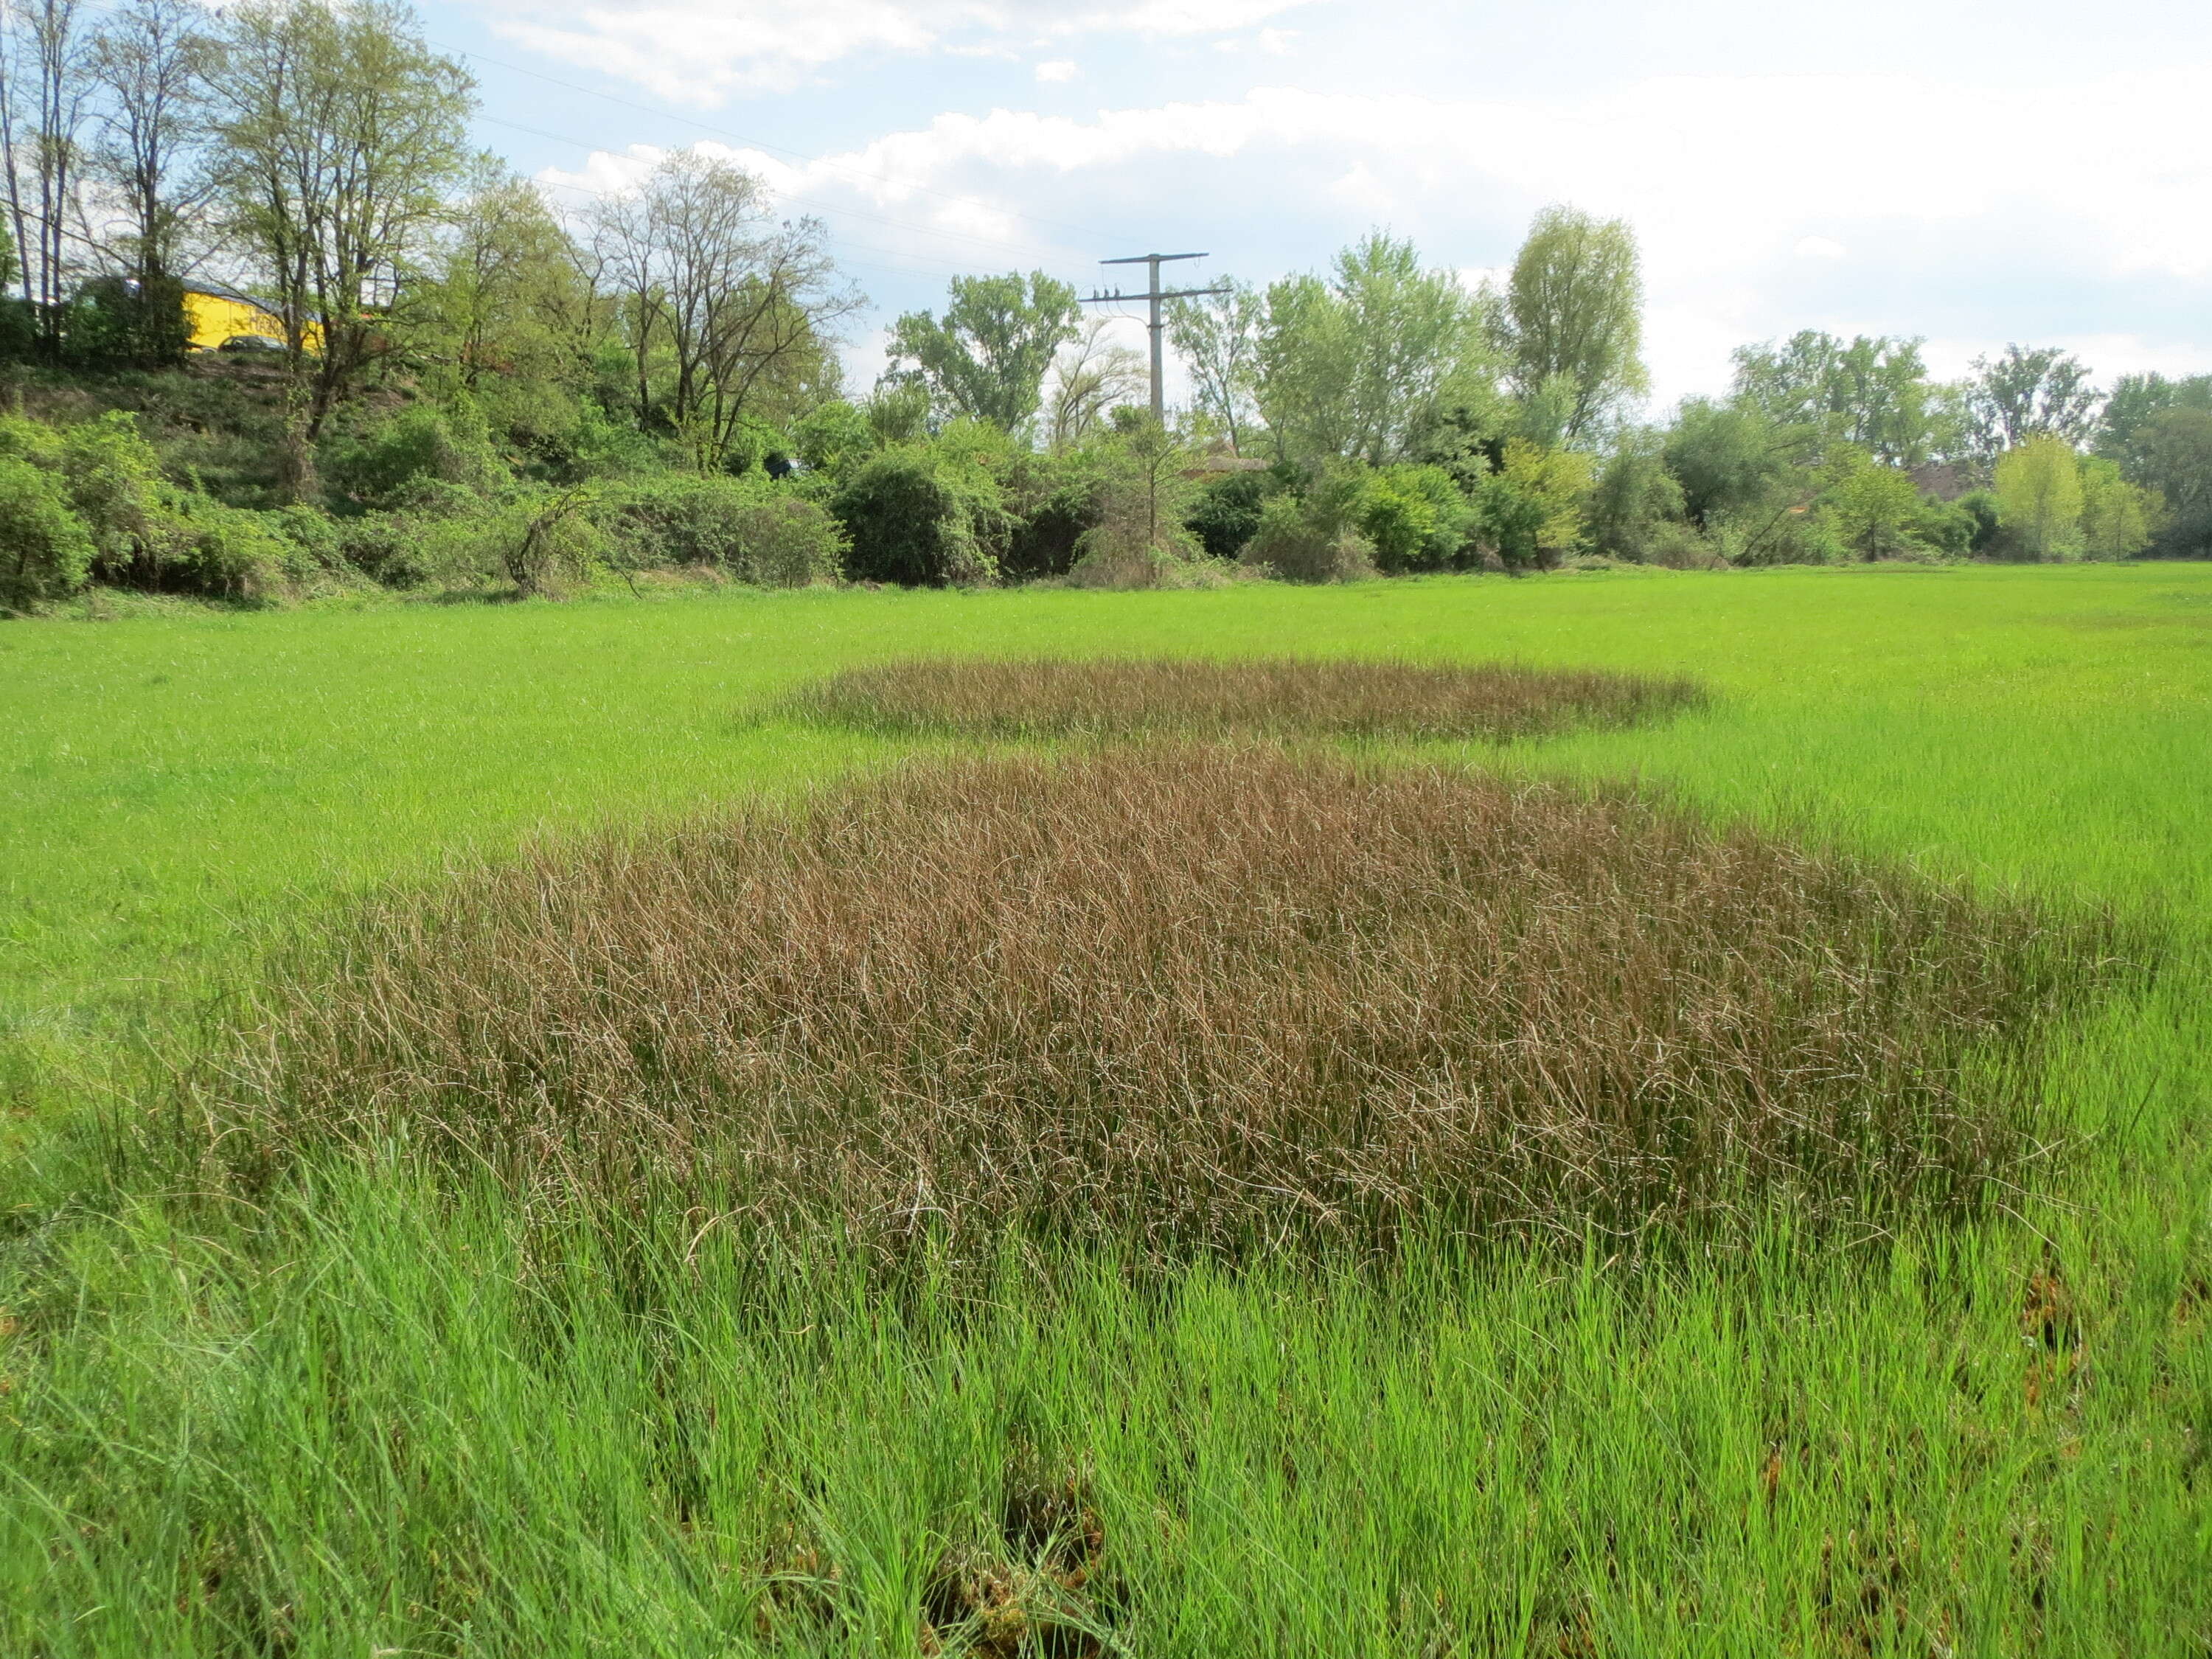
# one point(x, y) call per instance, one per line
point(1158, 324)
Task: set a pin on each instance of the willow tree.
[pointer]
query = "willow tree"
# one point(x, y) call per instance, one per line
point(1572, 324)
point(1353, 364)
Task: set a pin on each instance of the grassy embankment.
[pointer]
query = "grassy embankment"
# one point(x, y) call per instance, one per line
point(375, 1419)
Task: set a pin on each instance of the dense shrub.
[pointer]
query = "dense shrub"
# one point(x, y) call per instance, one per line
point(922, 517)
point(1415, 517)
point(1312, 537)
point(752, 530)
point(380, 465)
point(115, 484)
point(1226, 512)
point(1530, 511)
point(1636, 505)
point(1053, 502)
point(45, 552)
point(228, 551)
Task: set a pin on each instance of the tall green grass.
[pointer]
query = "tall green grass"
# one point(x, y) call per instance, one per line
point(380, 1414)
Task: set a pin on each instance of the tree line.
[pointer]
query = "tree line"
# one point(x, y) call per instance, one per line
point(467, 382)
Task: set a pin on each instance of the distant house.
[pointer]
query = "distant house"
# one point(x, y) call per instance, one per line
point(218, 315)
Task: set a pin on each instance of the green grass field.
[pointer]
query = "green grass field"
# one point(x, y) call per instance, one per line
point(379, 1417)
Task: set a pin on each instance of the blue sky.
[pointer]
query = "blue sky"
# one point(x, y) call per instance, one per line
point(1974, 173)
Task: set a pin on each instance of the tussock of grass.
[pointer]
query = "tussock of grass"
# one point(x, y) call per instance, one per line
point(1050, 697)
point(1195, 998)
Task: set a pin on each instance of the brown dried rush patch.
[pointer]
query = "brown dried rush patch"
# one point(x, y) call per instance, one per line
point(1196, 998)
point(1107, 697)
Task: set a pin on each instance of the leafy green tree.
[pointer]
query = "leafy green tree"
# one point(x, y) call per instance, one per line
point(2137, 400)
point(2117, 516)
point(2028, 394)
point(1733, 459)
point(2177, 462)
point(1531, 510)
point(1872, 393)
point(1357, 365)
point(1573, 319)
point(494, 314)
point(2038, 491)
point(1218, 338)
point(1636, 499)
point(1873, 507)
point(986, 357)
point(833, 435)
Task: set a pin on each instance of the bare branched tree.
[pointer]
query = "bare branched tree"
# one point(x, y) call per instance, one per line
point(1091, 377)
point(46, 88)
point(723, 305)
point(152, 60)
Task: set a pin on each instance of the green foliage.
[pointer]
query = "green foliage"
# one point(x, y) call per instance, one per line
point(1872, 393)
point(229, 552)
point(2117, 516)
point(1572, 324)
point(1226, 512)
point(386, 463)
point(2124, 434)
point(113, 322)
point(2028, 394)
point(898, 410)
point(1636, 502)
point(1052, 501)
point(1139, 538)
point(2177, 462)
point(986, 357)
point(1217, 336)
point(1873, 507)
point(45, 553)
point(2038, 491)
point(922, 517)
point(114, 481)
point(1358, 364)
point(1415, 519)
point(1530, 511)
point(1979, 508)
point(1732, 460)
point(752, 530)
point(1314, 536)
point(832, 436)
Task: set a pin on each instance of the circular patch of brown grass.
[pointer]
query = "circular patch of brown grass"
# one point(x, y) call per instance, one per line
point(1197, 997)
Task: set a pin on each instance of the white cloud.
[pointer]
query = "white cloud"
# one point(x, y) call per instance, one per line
point(1056, 69)
point(1741, 240)
point(703, 51)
